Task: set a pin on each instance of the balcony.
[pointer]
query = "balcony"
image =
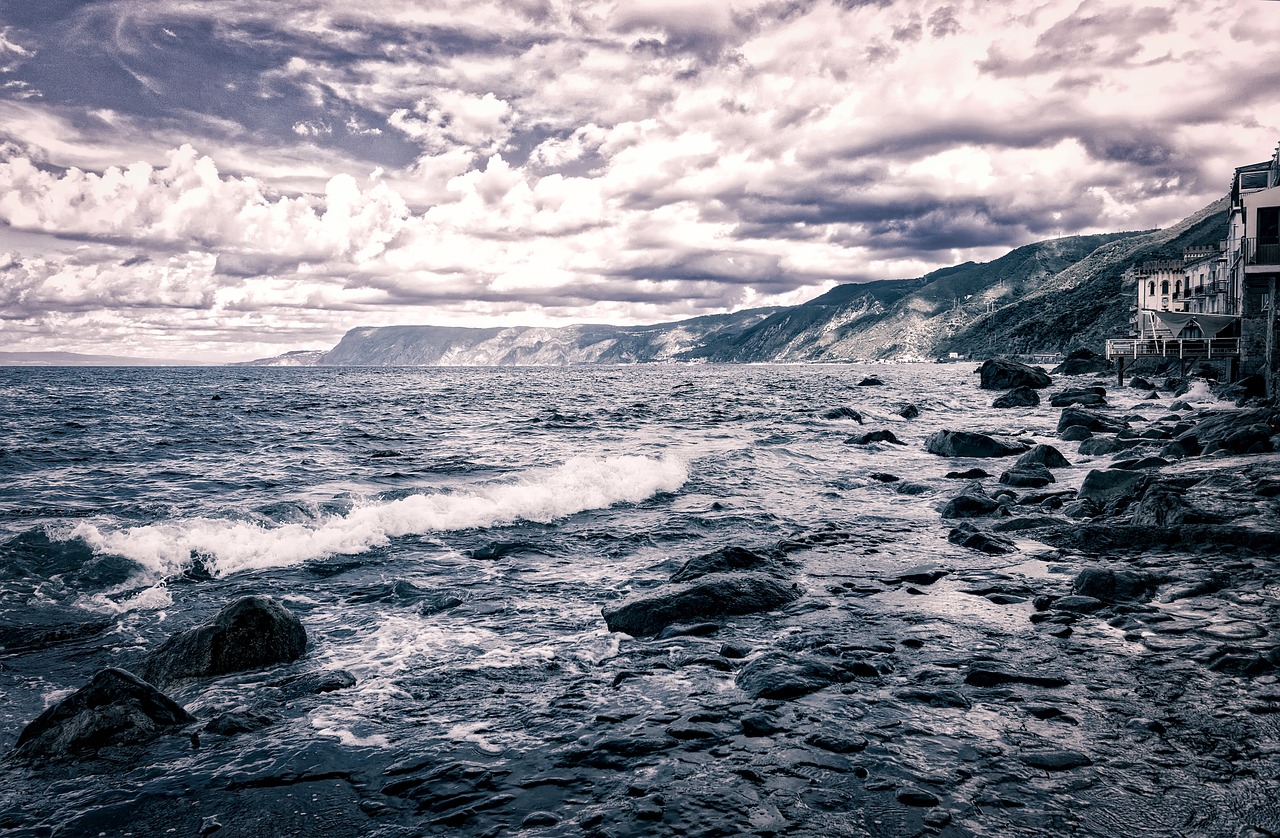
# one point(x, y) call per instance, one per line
point(1195, 348)
point(1261, 252)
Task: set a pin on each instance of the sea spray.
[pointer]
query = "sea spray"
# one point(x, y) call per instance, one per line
point(227, 546)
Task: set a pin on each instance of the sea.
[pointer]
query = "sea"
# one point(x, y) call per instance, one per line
point(448, 536)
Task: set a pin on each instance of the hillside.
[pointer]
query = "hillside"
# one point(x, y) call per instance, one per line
point(1043, 297)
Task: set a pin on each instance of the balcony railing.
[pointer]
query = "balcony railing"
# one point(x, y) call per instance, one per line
point(1261, 251)
point(1173, 347)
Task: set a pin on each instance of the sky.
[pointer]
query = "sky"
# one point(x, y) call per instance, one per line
point(226, 179)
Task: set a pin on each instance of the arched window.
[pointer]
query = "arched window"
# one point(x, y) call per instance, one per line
point(1164, 287)
point(1177, 289)
point(1151, 287)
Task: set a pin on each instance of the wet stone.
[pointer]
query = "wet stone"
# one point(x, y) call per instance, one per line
point(917, 797)
point(1055, 760)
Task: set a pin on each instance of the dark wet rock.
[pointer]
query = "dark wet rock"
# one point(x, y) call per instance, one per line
point(724, 560)
point(908, 487)
point(735, 650)
point(991, 674)
point(114, 708)
point(1077, 604)
point(837, 743)
point(1074, 433)
point(1140, 383)
point(760, 724)
point(1104, 445)
point(1179, 405)
point(843, 413)
point(1104, 486)
point(917, 797)
point(1017, 397)
point(999, 374)
point(1091, 419)
point(1027, 477)
point(925, 574)
point(1153, 396)
point(251, 633)
point(1055, 760)
point(871, 381)
point(1184, 446)
point(1162, 508)
point(1140, 463)
point(1110, 585)
point(782, 675)
point(882, 477)
point(316, 683)
point(1043, 455)
point(40, 626)
point(435, 603)
point(874, 436)
point(966, 535)
point(502, 549)
point(707, 598)
point(688, 630)
point(947, 443)
point(536, 819)
point(970, 506)
point(234, 722)
point(908, 411)
point(968, 474)
point(1024, 522)
point(1084, 396)
point(614, 752)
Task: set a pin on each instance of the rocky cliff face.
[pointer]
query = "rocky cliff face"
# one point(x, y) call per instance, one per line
point(1043, 297)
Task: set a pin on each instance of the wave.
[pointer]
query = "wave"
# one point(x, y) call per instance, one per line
point(227, 546)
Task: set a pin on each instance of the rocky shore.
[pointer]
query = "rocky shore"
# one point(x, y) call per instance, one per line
point(1100, 656)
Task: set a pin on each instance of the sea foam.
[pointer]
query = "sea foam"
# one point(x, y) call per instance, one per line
point(543, 495)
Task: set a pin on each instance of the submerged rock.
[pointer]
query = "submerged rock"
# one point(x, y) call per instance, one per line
point(908, 411)
point(251, 633)
point(709, 597)
point(779, 675)
point(1018, 397)
point(947, 443)
point(999, 374)
point(874, 436)
point(969, 536)
point(1108, 585)
point(724, 560)
point(114, 708)
point(843, 413)
point(871, 381)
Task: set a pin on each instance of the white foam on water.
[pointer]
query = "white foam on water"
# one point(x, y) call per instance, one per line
point(228, 546)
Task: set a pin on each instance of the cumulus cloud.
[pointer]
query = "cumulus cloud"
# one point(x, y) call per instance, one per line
point(550, 161)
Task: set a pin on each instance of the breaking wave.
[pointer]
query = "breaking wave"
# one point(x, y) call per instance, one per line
point(226, 546)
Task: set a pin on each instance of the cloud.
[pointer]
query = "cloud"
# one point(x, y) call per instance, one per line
point(328, 164)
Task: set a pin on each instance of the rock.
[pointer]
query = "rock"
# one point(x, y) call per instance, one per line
point(966, 535)
point(837, 743)
point(1153, 396)
point(1110, 585)
point(688, 630)
point(1079, 396)
point(238, 721)
point(1027, 477)
point(251, 633)
point(908, 411)
point(874, 436)
point(941, 697)
point(946, 443)
point(1077, 604)
point(1082, 361)
point(1075, 433)
point(724, 560)
point(1161, 508)
point(1140, 464)
point(916, 797)
point(1018, 397)
point(710, 597)
point(843, 413)
point(735, 651)
point(1104, 445)
point(970, 506)
point(1091, 419)
point(990, 674)
point(1102, 487)
point(760, 724)
point(999, 374)
point(1184, 446)
point(882, 477)
point(1043, 455)
point(1140, 383)
point(316, 683)
point(871, 381)
point(969, 474)
point(535, 819)
point(925, 574)
point(1055, 760)
point(779, 675)
point(114, 708)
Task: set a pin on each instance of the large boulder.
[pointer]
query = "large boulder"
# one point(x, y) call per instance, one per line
point(966, 444)
point(970, 506)
point(724, 560)
point(710, 597)
point(1027, 477)
point(1107, 585)
point(1082, 362)
point(250, 633)
point(999, 374)
point(1087, 396)
point(114, 708)
point(1091, 419)
point(1042, 455)
point(1104, 486)
point(1018, 397)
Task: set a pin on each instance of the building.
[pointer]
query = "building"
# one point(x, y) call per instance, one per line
point(1216, 303)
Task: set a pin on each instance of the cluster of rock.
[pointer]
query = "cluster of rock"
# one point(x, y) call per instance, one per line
point(117, 708)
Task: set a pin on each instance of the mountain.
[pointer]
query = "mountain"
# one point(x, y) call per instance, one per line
point(76, 359)
point(1044, 297)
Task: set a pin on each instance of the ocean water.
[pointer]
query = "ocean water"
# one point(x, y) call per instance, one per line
point(136, 502)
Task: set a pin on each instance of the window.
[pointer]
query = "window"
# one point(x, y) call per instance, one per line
point(1177, 289)
point(1164, 287)
point(1151, 287)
